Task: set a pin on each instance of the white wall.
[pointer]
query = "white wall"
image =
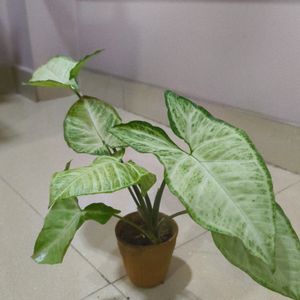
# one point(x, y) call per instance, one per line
point(20, 38)
point(244, 53)
point(52, 27)
point(241, 53)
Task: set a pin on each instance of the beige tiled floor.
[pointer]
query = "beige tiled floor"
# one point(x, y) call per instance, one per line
point(31, 149)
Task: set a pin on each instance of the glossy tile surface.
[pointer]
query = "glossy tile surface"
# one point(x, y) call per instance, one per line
point(199, 272)
point(282, 179)
point(289, 200)
point(107, 293)
point(20, 277)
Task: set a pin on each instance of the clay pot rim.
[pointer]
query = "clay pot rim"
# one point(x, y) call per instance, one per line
point(174, 235)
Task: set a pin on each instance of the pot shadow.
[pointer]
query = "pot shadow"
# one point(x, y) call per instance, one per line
point(102, 238)
point(175, 286)
point(178, 278)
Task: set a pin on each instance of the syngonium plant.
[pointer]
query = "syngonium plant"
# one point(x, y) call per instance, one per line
point(222, 181)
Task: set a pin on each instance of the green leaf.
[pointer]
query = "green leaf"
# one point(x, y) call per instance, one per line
point(68, 165)
point(106, 175)
point(75, 71)
point(119, 154)
point(223, 182)
point(86, 126)
point(55, 73)
point(147, 179)
point(60, 226)
point(99, 212)
point(286, 278)
point(60, 71)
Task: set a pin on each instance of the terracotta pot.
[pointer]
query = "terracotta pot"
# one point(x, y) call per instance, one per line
point(146, 266)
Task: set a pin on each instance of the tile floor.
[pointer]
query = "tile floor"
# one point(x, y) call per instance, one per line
point(31, 149)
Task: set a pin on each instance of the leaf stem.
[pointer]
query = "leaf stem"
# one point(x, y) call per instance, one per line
point(141, 200)
point(157, 202)
point(148, 203)
point(182, 212)
point(133, 197)
point(76, 92)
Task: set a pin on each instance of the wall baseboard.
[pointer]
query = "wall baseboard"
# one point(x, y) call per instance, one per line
point(23, 75)
point(279, 143)
point(7, 81)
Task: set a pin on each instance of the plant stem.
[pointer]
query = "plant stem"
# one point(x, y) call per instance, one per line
point(133, 197)
point(148, 235)
point(183, 212)
point(76, 92)
point(140, 198)
point(144, 206)
point(148, 203)
point(145, 212)
point(157, 202)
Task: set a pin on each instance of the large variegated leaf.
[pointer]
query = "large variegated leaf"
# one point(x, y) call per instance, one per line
point(86, 126)
point(286, 278)
point(232, 162)
point(59, 71)
point(223, 182)
point(106, 175)
point(60, 226)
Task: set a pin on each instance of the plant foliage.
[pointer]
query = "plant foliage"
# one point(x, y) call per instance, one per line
point(222, 181)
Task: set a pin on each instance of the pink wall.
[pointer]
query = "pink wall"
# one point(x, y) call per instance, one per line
point(241, 53)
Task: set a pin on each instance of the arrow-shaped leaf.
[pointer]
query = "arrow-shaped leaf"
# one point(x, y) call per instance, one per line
point(60, 226)
point(106, 175)
point(86, 126)
point(59, 71)
point(223, 182)
point(286, 278)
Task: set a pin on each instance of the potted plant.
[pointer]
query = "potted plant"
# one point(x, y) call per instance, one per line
point(222, 181)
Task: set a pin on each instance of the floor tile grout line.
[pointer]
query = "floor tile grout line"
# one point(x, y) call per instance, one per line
point(40, 215)
point(289, 186)
point(21, 196)
point(76, 250)
point(281, 168)
point(96, 291)
point(87, 261)
point(120, 278)
point(121, 292)
point(192, 239)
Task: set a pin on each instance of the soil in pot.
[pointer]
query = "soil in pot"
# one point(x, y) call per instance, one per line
point(146, 264)
point(131, 235)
